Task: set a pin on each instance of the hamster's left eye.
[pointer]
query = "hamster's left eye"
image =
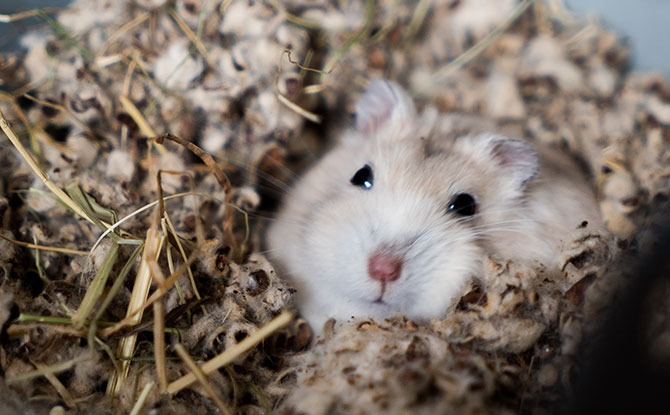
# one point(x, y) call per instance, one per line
point(363, 177)
point(463, 204)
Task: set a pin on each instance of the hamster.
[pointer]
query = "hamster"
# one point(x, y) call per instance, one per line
point(398, 219)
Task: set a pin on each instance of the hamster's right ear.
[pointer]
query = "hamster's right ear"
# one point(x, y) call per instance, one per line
point(382, 103)
point(518, 159)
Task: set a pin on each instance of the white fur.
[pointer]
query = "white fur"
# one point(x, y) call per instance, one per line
point(328, 228)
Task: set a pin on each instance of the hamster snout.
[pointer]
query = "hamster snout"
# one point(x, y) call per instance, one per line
point(384, 267)
point(397, 219)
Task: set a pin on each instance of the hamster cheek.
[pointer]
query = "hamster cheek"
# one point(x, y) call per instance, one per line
point(442, 279)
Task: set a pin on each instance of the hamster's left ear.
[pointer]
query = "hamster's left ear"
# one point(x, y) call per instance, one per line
point(383, 103)
point(517, 158)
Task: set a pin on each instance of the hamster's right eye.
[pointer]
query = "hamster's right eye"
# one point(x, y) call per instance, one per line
point(463, 204)
point(363, 177)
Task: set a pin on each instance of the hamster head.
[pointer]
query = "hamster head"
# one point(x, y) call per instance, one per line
point(392, 219)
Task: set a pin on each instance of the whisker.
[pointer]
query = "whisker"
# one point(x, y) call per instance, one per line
point(285, 187)
point(298, 223)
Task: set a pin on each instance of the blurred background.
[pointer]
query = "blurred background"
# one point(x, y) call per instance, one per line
point(644, 23)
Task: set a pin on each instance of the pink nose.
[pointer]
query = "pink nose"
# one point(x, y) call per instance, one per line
point(384, 267)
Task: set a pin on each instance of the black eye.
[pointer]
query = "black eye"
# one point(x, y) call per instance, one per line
point(463, 204)
point(363, 177)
